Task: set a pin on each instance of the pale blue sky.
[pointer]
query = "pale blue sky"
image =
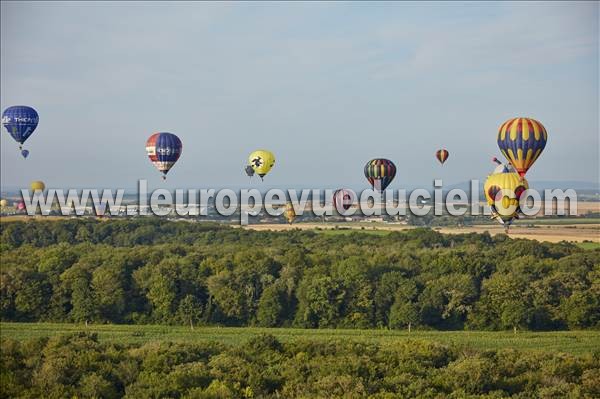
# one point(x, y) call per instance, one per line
point(325, 86)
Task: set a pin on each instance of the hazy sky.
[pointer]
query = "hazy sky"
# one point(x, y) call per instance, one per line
point(325, 86)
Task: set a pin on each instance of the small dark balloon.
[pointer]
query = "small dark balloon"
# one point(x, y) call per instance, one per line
point(442, 155)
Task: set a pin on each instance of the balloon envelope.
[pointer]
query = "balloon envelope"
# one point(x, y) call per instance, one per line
point(37, 185)
point(442, 155)
point(521, 141)
point(163, 149)
point(249, 170)
point(261, 161)
point(380, 172)
point(498, 189)
point(343, 199)
point(20, 121)
point(290, 213)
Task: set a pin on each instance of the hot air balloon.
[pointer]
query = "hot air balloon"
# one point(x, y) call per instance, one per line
point(497, 189)
point(343, 199)
point(290, 213)
point(261, 161)
point(19, 206)
point(164, 149)
point(37, 185)
point(20, 121)
point(521, 141)
point(380, 173)
point(442, 155)
point(249, 170)
point(3, 203)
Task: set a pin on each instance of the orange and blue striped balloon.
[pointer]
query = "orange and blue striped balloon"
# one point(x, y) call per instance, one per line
point(380, 173)
point(442, 155)
point(522, 140)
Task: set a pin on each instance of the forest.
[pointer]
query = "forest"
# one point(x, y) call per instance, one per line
point(154, 271)
point(79, 365)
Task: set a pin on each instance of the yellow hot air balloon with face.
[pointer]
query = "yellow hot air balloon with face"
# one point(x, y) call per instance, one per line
point(499, 188)
point(261, 161)
point(37, 185)
point(290, 213)
point(3, 203)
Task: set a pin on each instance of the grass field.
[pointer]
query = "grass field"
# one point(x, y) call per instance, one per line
point(589, 245)
point(342, 230)
point(575, 342)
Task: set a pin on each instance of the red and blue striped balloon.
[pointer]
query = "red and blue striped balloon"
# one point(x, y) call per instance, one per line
point(164, 149)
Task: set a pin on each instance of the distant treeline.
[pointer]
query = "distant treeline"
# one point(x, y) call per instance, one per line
point(78, 365)
point(156, 271)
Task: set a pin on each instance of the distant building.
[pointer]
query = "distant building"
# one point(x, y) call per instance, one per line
point(378, 219)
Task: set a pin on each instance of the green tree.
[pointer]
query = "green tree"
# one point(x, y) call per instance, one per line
point(581, 310)
point(513, 314)
point(505, 302)
point(403, 314)
point(77, 281)
point(31, 299)
point(385, 295)
point(109, 295)
point(236, 292)
point(189, 310)
point(447, 300)
point(161, 294)
point(271, 306)
point(319, 302)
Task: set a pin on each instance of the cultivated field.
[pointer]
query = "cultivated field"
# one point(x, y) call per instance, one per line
point(544, 231)
point(550, 233)
point(576, 342)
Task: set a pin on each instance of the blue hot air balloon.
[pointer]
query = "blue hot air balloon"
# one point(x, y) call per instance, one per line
point(20, 121)
point(164, 149)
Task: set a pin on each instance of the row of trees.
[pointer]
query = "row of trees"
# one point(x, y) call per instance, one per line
point(81, 366)
point(154, 271)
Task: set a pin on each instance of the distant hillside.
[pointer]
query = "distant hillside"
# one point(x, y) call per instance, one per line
point(582, 187)
point(541, 185)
